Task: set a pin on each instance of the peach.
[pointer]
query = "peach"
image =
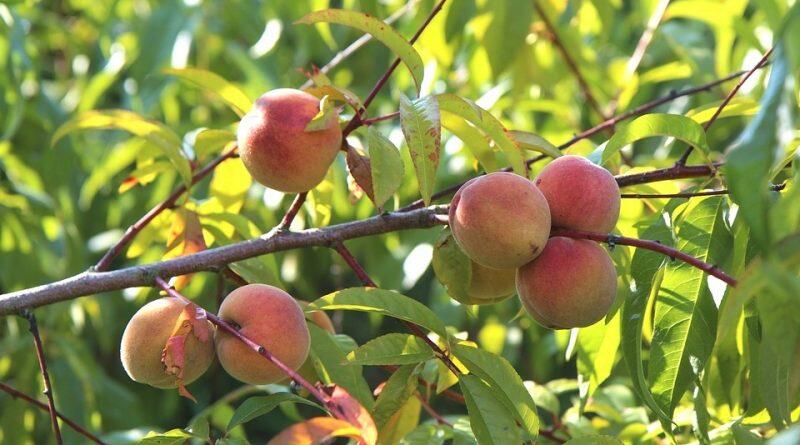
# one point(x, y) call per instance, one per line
point(145, 337)
point(278, 151)
point(581, 195)
point(273, 319)
point(500, 220)
point(572, 284)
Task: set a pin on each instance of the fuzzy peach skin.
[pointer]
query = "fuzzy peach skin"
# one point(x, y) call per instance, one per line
point(146, 335)
point(581, 195)
point(273, 319)
point(572, 284)
point(275, 147)
point(500, 220)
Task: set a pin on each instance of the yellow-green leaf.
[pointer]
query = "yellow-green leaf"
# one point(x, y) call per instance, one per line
point(216, 84)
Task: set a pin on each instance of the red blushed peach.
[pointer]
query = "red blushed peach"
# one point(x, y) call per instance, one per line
point(278, 151)
point(273, 319)
point(572, 284)
point(500, 220)
point(581, 195)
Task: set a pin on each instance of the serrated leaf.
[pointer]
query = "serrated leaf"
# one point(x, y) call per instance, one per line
point(381, 301)
point(391, 349)
point(685, 314)
point(332, 366)
point(504, 381)
point(314, 431)
point(482, 119)
point(258, 406)
point(377, 29)
point(645, 271)
point(215, 84)
point(155, 132)
point(658, 124)
point(491, 422)
point(397, 389)
point(534, 142)
point(386, 165)
point(422, 129)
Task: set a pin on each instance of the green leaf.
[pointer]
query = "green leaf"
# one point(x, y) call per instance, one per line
point(534, 142)
point(381, 301)
point(504, 382)
point(425, 434)
point(387, 166)
point(401, 423)
point(171, 437)
point(210, 141)
point(215, 84)
point(332, 366)
point(322, 119)
point(505, 35)
point(489, 418)
point(258, 406)
point(377, 29)
point(482, 119)
point(400, 386)
point(645, 267)
point(738, 106)
point(657, 124)
point(154, 132)
point(474, 140)
point(392, 349)
point(748, 162)
point(685, 314)
point(422, 129)
point(597, 351)
point(594, 440)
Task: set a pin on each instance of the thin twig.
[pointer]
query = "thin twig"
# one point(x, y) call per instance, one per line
point(573, 67)
point(17, 394)
point(356, 121)
point(137, 227)
point(385, 117)
point(774, 188)
point(438, 417)
point(294, 209)
point(48, 388)
point(641, 48)
point(726, 101)
point(655, 246)
point(669, 173)
point(608, 124)
point(261, 350)
point(360, 42)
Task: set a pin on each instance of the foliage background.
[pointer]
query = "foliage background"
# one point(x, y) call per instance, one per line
point(60, 207)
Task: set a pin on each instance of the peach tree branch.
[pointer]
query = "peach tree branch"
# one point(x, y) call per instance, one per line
point(48, 388)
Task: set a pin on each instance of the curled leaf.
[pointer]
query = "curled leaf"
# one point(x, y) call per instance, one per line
point(361, 171)
point(191, 321)
point(315, 431)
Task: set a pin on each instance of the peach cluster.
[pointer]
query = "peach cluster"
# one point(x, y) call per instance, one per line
point(502, 222)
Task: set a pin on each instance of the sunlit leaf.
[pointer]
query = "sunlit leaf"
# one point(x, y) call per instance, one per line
point(215, 84)
point(377, 29)
point(650, 125)
point(391, 349)
point(421, 125)
point(315, 431)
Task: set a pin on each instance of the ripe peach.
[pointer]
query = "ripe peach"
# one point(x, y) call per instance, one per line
point(275, 147)
point(145, 337)
point(571, 284)
point(500, 220)
point(271, 318)
point(581, 195)
point(320, 318)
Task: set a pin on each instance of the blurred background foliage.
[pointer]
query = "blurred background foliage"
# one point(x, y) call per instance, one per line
point(62, 206)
